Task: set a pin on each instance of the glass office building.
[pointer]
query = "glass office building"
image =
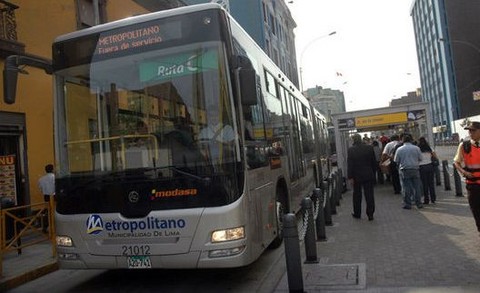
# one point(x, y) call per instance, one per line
point(447, 40)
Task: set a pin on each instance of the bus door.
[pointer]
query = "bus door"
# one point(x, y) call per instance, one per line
point(259, 182)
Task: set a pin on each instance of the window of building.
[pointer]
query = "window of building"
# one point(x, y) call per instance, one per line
point(267, 45)
point(265, 18)
point(273, 24)
point(275, 56)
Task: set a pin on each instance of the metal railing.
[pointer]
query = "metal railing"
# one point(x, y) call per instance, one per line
point(8, 24)
point(24, 226)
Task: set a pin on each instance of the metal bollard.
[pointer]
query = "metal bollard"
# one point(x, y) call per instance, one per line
point(438, 179)
point(339, 187)
point(340, 174)
point(328, 209)
point(292, 253)
point(310, 244)
point(458, 183)
point(320, 220)
point(446, 177)
point(333, 194)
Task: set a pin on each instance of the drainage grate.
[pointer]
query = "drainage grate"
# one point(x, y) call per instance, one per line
point(331, 277)
point(334, 277)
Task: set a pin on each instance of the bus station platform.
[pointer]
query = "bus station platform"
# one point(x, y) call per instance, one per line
point(433, 249)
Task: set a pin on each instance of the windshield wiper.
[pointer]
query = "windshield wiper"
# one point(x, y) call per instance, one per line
point(206, 180)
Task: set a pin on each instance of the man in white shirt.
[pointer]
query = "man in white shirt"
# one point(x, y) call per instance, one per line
point(388, 153)
point(46, 184)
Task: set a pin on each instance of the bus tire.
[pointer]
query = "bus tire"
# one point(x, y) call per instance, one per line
point(280, 210)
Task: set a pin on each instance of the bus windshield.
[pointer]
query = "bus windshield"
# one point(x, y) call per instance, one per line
point(150, 122)
point(165, 109)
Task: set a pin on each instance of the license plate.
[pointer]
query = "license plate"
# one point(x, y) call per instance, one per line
point(139, 262)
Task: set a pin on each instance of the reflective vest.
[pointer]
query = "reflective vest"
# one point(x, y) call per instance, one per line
point(472, 164)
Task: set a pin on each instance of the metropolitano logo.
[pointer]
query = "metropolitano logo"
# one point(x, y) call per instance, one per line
point(94, 224)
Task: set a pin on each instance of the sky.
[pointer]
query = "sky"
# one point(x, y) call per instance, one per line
point(371, 57)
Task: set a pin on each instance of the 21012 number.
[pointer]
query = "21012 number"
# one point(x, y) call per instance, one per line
point(135, 250)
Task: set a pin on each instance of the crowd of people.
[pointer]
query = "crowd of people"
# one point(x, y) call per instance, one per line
point(409, 165)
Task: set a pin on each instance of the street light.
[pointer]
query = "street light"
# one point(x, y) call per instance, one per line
point(305, 49)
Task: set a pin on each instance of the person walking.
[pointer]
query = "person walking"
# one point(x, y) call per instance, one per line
point(427, 171)
point(361, 166)
point(384, 140)
point(408, 157)
point(378, 158)
point(388, 153)
point(467, 162)
point(46, 184)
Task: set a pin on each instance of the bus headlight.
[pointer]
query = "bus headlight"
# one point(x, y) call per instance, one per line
point(228, 234)
point(64, 241)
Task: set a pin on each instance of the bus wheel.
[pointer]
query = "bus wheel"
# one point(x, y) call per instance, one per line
point(281, 209)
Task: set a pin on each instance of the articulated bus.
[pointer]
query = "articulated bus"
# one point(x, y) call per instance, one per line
point(179, 143)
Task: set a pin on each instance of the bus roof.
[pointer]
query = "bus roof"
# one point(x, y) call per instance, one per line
point(137, 19)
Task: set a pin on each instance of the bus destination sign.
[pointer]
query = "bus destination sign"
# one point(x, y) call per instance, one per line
point(143, 35)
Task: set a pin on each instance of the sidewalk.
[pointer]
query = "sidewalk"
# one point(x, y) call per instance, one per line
point(34, 262)
point(434, 249)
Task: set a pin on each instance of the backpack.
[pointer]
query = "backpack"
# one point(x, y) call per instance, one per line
point(397, 146)
point(467, 146)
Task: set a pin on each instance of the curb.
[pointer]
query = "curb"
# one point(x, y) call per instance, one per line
point(31, 275)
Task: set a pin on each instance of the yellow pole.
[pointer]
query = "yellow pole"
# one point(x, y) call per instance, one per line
point(51, 218)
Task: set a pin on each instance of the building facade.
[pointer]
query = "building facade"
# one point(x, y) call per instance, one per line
point(270, 24)
point(410, 98)
point(327, 101)
point(26, 127)
point(448, 49)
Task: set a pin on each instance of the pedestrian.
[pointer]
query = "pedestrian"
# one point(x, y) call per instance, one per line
point(427, 171)
point(46, 184)
point(408, 157)
point(384, 140)
point(467, 162)
point(361, 166)
point(388, 154)
point(378, 157)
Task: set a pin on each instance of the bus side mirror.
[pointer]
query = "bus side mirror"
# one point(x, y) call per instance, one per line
point(247, 80)
point(13, 65)
point(10, 75)
point(248, 86)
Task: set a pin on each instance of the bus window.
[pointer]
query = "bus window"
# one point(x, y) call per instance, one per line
point(306, 130)
point(270, 80)
point(255, 139)
point(274, 122)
